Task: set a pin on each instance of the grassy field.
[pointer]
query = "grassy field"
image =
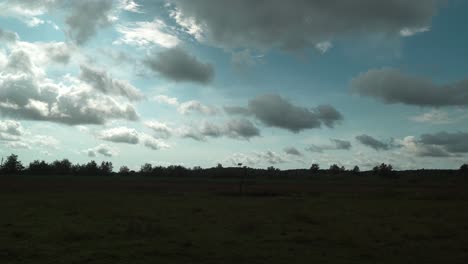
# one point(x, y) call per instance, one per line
point(65, 220)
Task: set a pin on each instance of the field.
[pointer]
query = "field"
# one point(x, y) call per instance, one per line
point(149, 220)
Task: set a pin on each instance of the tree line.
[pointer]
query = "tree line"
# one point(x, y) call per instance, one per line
point(13, 166)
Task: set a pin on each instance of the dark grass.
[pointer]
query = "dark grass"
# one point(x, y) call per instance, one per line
point(114, 220)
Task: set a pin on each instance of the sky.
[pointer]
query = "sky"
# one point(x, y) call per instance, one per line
point(263, 83)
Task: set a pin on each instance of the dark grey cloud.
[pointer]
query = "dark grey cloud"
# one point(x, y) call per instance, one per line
point(103, 82)
point(298, 24)
point(336, 144)
point(371, 142)
point(234, 128)
point(177, 65)
point(451, 142)
point(275, 111)
point(292, 151)
point(84, 18)
point(241, 128)
point(391, 86)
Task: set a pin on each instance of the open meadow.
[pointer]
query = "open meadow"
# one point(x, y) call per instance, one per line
point(331, 219)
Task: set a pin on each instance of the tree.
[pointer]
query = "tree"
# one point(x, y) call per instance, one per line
point(146, 169)
point(106, 168)
point(464, 168)
point(91, 168)
point(39, 168)
point(62, 167)
point(356, 170)
point(336, 169)
point(124, 170)
point(12, 165)
point(314, 168)
point(383, 169)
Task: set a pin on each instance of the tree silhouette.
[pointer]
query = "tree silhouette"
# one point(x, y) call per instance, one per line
point(106, 168)
point(12, 165)
point(146, 169)
point(383, 170)
point(356, 170)
point(464, 168)
point(314, 168)
point(124, 170)
point(336, 169)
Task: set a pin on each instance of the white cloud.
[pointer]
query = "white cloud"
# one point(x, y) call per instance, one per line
point(27, 93)
point(160, 130)
point(164, 99)
point(408, 32)
point(11, 127)
point(188, 24)
point(120, 135)
point(154, 143)
point(438, 117)
point(102, 149)
point(146, 33)
point(197, 107)
point(130, 6)
point(255, 159)
point(323, 47)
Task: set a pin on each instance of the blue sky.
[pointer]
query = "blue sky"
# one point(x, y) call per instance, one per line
point(271, 83)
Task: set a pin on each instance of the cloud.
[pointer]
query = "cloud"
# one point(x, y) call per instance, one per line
point(177, 65)
point(337, 144)
point(275, 111)
point(161, 130)
point(241, 128)
point(120, 135)
point(154, 143)
point(438, 117)
point(408, 32)
point(298, 24)
point(143, 34)
point(8, 36)
point(164, 99)
point(26, 93)
point(86, 17)
point(58, 52)
point(101, 81)
point(391, 86)
point(373, 143)
point(255, 159)
point(196, 107)
point(451, 142)
point(10, 130)
point(237, 110)
point(27, 11)
point(44, 53)
point(234, 128)
point(129, 6)
point(102, 149)
point(411, 145)
point(293, 151)
point(11, 127)
point(18, 145)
